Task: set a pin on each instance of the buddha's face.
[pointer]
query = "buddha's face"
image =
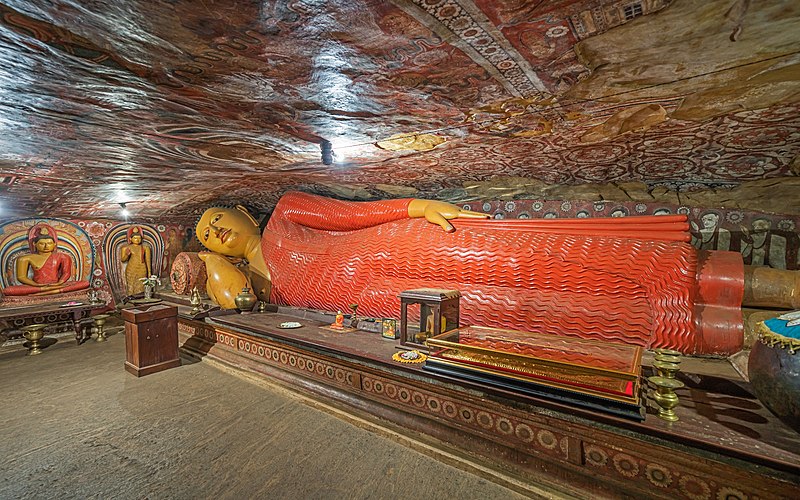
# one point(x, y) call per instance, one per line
point(45, 245)
point(136, 239)
point(226, 231)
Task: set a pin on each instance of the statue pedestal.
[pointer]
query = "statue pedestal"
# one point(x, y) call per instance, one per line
point(151, 339)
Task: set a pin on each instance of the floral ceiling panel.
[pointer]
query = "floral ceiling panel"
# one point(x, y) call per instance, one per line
point(170, 106)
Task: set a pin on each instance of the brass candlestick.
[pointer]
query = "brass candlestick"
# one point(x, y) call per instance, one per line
point(665, 396)
point(354, 316)
point(262, 306)
point(100, 320)
point(667, 362)
point(34, 334)
point(668, 358)
point(666, 370)
point(667, 352)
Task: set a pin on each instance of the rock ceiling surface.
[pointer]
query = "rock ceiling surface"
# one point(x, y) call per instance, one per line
point(174, 105)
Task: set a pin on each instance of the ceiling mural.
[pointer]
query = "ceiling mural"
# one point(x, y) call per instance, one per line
point(174, 105)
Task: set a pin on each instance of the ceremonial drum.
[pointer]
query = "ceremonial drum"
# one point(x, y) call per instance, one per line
point(774, 369)
point(188, 271)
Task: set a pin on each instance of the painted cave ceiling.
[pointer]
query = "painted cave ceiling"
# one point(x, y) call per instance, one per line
point(175, 105)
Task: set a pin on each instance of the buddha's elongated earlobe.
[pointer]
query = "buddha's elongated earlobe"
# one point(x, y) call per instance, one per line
point(247, 213)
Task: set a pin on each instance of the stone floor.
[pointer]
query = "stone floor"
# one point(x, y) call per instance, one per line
point(76, 425)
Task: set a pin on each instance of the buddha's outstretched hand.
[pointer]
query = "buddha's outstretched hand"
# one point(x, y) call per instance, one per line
point(439, 212)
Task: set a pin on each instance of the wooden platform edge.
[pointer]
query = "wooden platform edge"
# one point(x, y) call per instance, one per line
point(537, 447)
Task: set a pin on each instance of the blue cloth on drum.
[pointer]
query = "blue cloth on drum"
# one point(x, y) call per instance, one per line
point(779, 326)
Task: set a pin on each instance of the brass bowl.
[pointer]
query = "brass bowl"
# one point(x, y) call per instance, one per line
point(34, 334)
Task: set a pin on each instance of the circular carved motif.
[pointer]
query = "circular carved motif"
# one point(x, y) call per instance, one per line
point(418, 399)
point(694, 488)
point(391, 390)
point(485, 420)
point(405, 396)
point(547, 439)
point(626, 465)
point(595, 456)
point(367, 384)
point(378, 387)
point(524, 432)
point(504, 425)
point(658, 475)
point(728, 493)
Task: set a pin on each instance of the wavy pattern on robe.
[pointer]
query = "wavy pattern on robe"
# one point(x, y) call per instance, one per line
point(605, 286)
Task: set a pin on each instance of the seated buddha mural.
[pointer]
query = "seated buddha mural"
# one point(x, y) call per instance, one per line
point(635, 280)
point(45, 270)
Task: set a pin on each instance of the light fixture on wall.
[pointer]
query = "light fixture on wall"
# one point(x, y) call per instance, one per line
point(124, 210)
point(327, 152)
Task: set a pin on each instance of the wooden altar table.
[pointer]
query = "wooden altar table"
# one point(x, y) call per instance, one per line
point(49, 313)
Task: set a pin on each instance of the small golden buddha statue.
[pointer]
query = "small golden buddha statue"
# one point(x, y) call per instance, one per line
point(139, 258)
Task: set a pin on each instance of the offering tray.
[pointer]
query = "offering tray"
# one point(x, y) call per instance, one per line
point(598, 374)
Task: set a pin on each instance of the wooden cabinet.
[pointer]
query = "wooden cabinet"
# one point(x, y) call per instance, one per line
point(151, 339)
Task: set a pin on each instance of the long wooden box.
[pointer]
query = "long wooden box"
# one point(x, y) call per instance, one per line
point(151, 339)
point(600, 375)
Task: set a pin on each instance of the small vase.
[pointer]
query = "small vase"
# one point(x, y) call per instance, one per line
point(245, 300)
point(148, 292)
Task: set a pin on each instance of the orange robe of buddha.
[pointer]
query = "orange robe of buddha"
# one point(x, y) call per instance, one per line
point(630, 279)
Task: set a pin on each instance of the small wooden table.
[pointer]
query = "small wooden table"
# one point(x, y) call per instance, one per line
point(151, 339)
point(49, 312)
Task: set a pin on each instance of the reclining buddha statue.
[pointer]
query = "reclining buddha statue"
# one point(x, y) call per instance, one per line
point(46, 270)
point(635, 280)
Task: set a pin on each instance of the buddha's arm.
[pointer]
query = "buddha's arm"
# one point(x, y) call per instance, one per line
point(225, 281)
point(318, 212)
point(64, 267)
point(23, 263)
point(125, 253)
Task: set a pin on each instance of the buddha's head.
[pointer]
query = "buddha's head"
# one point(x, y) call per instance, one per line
point(135, 235)
point(44, 244)
point(227, 230)
point(42, 238)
